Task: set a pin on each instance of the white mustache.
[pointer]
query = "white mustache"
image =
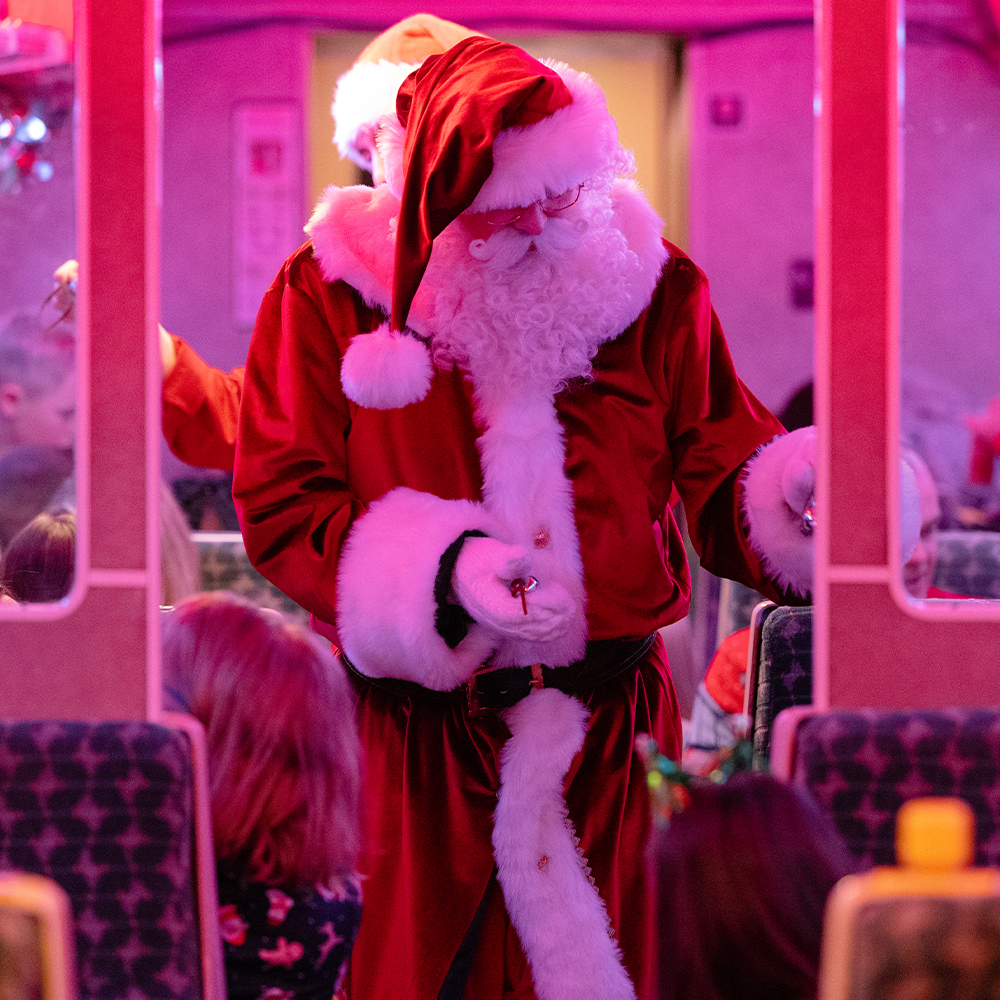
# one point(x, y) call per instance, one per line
point(508, 246)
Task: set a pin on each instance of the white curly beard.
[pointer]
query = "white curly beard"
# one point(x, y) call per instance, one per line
point(524, 313)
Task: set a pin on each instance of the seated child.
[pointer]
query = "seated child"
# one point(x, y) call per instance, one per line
point(284, 777)
point(38, 564)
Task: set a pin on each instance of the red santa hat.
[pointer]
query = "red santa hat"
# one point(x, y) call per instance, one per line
point(484, 125)
point(367, 91)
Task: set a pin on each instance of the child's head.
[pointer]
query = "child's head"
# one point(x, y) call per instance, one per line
point(283, 750)
point(742, 876)
point(38, 564)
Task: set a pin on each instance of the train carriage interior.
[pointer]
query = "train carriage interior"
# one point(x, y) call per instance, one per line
point(832, 168)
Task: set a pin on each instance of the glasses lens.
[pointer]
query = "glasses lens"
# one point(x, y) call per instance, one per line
point(560, 202)
point(502, 216)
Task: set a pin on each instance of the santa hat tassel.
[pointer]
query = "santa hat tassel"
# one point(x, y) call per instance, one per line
point(386, 369)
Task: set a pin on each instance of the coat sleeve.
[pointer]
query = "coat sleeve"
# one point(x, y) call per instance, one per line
point(303, 524)
point(716, 425)
point(200, 409)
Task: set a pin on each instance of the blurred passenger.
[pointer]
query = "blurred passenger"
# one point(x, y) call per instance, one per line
point(717, 718)
point(742, 875)
point(985, 429)
point(37, 384)
point(919, 569)
point(180, 570)
point(32, 478)
point(37, 566)
point(284, 775)
point(367, 91)
point(798, 411)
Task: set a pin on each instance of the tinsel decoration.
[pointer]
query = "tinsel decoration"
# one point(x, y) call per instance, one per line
point(669, 783)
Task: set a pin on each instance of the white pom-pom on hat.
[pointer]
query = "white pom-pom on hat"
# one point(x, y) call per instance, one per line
point(385, 369)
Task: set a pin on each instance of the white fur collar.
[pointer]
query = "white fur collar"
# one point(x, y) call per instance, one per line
point(353, 232)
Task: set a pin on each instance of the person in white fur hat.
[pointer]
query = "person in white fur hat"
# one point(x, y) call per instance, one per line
point(367, 91)
point(468, 398)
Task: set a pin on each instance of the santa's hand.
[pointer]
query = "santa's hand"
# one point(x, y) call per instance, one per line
point(485, 582)
point(798, 477)
point(66, 277)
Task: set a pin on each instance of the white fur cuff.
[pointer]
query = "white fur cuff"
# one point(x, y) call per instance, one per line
point(385, 590)
point(779, 483)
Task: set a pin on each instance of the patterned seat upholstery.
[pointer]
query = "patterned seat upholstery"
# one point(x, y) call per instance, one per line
point(969, 563)
point(226, 566)
point(878, 944)
point(784, 671)
point(862, 765)
point(106, 810)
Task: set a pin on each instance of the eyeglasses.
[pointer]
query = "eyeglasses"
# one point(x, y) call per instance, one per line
point(550, 206)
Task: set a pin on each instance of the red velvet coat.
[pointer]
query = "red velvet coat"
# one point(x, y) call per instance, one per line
point(664, 409)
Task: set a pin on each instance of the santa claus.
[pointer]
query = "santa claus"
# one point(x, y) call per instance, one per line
point(468, 398)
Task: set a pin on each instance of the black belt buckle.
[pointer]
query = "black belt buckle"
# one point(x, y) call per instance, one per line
point(472, 698)
point(517, 683)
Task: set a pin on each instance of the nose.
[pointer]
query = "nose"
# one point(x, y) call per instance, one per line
point(532, 220)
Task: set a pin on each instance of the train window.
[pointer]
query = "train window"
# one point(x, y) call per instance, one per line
point(949, 295)
point(39, 354)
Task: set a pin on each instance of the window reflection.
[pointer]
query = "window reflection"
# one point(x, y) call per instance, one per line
point(38, 363)
point(950, 292)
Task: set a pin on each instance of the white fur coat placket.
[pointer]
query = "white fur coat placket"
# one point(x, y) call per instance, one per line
point(556, 909)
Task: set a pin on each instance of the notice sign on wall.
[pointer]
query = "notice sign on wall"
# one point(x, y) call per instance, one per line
point(267, 209)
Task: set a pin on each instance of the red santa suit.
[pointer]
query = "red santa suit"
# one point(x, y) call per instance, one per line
point(351, 502)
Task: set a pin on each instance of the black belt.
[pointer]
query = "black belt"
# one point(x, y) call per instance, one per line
point(494, 689)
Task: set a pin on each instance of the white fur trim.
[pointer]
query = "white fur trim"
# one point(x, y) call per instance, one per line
point(386, 369)
point(363, 94)
point(353, 236)
point(385, 590)
point(559, 915)
point(526, 491)
point(574, 144)
point(778, 484)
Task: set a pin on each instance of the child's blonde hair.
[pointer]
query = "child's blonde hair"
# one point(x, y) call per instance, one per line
point(283, 749)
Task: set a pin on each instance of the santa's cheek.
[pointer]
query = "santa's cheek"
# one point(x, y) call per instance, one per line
point(477, 227)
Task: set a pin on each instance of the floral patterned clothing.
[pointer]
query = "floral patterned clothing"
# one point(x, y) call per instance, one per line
point(285, 943)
